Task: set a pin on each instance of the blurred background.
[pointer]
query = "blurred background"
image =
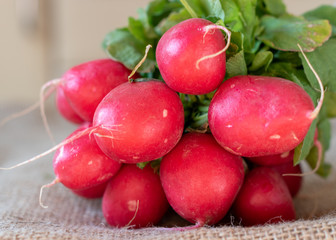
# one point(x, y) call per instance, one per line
point(41, 39)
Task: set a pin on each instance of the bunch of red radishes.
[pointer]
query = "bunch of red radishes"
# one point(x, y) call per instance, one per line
point(134, 150)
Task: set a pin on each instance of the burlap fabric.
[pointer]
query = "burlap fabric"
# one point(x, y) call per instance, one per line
point(72, 217)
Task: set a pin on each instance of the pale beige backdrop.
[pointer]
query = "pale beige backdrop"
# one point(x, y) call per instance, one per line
point(40, 39)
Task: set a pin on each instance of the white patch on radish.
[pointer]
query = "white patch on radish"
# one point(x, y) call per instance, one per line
point(166, 140)
point(132, 205)
point(164, 113)
point(275, 136)
point(294, 136)
point(136, 157)
point(229, 126)
point(233, 85)
point(284, 155)
point(90, 163)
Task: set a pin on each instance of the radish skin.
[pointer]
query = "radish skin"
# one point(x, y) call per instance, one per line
point(264, 198)
point(256, 116)
point(186, 60)
point(148, 120)
point(134, 198)
point(201, 179)
point(65, 108)
point(81, 164)
point(85, 85)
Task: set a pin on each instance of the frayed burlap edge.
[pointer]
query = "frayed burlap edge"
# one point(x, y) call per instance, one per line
point(322, 228)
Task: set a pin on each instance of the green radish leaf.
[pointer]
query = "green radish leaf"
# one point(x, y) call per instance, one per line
point(286, 32)
point(236, 65)
point(205, 8)
point(173, 19)
point(324, 169)
point(124, 47)
point(288, 57)
point(324, 137)
point(213, 8)
point(142, 165)
point(275, 7)
point(240, 16)
point(158, 10)
point(324, 133)
point(323, 60)
point(289, 71)
point(262, 60)
point(323, 12)
point(330, 103)
point(236, 44)
point(137, 29)
point(302, 151)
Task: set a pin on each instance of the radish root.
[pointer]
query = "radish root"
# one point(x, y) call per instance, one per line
point(228, 34)
point(140, 63)
point(69, 140)
point(55, 181)
point(27, 110)
point(54, 84)
point(316, 111)
point(135, 213)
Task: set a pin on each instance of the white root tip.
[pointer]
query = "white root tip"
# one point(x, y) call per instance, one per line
point(316, 111)
point(53, 84)
point(227, 45)
point(55, 181)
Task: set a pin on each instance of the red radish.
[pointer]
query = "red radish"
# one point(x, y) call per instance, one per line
point(270, 160)
point(187, 56)
point(264, 198)
point(134, 198)
point(139, 122)
point(293, 183)
point(85, 85)
point(65, 109)
point(257, 115)
point(80, 164)
point(283, 163)
point(201, 179)
point(93, 192)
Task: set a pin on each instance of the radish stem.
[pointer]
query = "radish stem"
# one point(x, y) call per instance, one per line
point(140, 63)
point(189, 9)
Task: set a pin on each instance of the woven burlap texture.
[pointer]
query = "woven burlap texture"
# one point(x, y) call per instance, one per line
point(71, 217)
